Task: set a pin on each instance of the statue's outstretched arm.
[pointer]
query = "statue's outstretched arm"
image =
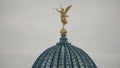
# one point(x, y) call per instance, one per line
point(57, 10)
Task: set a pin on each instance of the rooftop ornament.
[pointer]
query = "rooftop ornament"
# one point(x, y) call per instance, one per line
point(63, 16)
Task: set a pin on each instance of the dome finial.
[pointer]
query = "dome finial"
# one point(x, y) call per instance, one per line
point(63, 13)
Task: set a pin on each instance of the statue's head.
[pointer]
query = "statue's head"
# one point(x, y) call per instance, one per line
point(62, 9)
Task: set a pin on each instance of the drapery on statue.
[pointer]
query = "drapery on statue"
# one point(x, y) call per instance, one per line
point(63, 13)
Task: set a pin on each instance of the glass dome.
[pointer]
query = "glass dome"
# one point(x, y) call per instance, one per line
point(64, 55)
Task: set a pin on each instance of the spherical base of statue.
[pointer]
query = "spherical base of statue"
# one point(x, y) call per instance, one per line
point(63, 31)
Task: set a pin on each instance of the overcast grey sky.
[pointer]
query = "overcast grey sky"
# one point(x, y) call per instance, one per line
point(28, 27)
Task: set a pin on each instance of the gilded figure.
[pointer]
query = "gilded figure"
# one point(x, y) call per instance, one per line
point(63, 13)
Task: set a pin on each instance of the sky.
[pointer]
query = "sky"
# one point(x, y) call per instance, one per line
point(28, 27)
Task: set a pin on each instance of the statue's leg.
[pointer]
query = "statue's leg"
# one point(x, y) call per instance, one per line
point(65, 21)
point(62, 20)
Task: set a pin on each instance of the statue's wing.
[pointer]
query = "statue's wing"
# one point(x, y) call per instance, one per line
point(68, 8)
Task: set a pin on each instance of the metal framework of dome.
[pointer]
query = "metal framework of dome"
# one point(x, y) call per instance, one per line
point(64, 55)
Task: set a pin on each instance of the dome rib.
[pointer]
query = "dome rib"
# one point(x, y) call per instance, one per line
point(40, 58)
point(92, 63)
point(80, 57)
point(47, 61)
point(69, 62)
point(75, 57)
point(83, 57)
point(51, 55)
point(59, 55)
point(54, 58)
point(64, 55)
point(87, 57)
point(61, 60)
point(87, 60)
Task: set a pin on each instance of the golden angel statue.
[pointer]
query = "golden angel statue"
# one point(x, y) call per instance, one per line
point(63, 13)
